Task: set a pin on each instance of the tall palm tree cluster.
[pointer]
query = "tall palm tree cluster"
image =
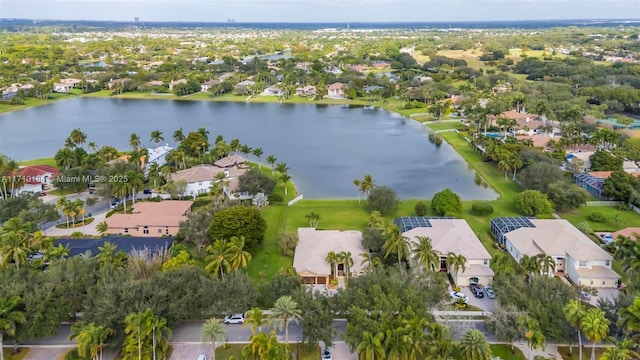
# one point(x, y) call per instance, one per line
point(71, 209)
point(505, 155)
point(226, 255)
point(19, 240)
point(364, 186)
point(9, 181)
point(344, 258)
point(147, 336)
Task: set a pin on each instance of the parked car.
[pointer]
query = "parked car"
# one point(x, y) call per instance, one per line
point(489, 291)
point(42, 193)
point(475, 286)
point(458, 295)
point(234, 319)
point(114, 204)
point(477, 292)
point(326, 354)
point(147, 191)
point(202, 357)
point(607, 238)
point(584, 295)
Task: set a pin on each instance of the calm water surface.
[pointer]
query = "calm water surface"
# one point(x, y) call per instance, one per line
point(326, 147)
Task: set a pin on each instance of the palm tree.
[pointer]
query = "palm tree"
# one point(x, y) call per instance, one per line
point(396, 243)
point(122, 190)
point(102, 228)
point(346, 259)
point(134, 141)
point(332, 259)
point(282, 167)
point(595, 326)
point(370, 347)
point(574, 312)
point(271, 160)
point(212, 330)
point(530, 265)
point(245, 150)
point(369, 261)
point(77, 137)
point(218, 260)
point(546, 263)
point(90, 339)
point(137, 324)
point(396, 343)
point(234, 144)
point(178, 135)
point(284, 310)
point(367, 185)
point(285, 178)
point(425, 254)
point(356, 182)
point(457, 263)
point(630, 320)
point(14, 248)
point(238, 257)
point(535, 337)
point(136, 182)
point(474, 346)
point(93, 146)
point(9, 318)
point(255, 318)
point(258, 153)
point(156, 136)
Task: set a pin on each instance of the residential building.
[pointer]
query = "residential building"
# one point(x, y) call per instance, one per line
point(372, 88)
point(449, 235)
point(155, 83)
point(582, 155)
point(359, 68)
point(117, 82)
point(378, 64)
point(244, 87)
point(336, 90)
point(577, 258)
point(9, 93)
point(199, 179)
point(230, 161)
point(34, 178)
point(522, 123)
point(207, 85)
point(273, 91)
point(158, 155)
point(628, 232)
point(62, 87)
point(333, 70)
point(308, 90)
point(312, 249)
point(172, 84)
point(150, 219)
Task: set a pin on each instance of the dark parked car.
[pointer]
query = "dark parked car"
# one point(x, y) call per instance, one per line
point(147, 191)
point(477, 292)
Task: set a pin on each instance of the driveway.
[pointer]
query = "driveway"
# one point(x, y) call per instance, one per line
point(340, 351)
point(484, 303)
point(190, 351)
point(610, 294)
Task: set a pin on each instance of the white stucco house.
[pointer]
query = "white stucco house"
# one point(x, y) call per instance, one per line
point(199, 179)
point(158, 155)
point(576, 257)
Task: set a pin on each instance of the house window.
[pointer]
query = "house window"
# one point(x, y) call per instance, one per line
point(145, 230)
point(608, 263)
point(159, 231)
point(486, 262)
point(583, 264)
point(126, 230)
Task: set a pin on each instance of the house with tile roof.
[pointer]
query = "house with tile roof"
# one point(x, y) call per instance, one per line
point(577, 258)
point(199, 179)
point(150, 219)
point(34, 178)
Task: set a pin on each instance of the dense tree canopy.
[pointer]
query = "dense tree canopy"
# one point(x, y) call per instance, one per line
point(239, 221)
point(446, 203)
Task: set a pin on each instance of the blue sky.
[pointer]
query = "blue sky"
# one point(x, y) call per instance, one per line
point(319, 10)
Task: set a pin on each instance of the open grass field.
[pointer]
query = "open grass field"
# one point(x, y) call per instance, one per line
point(445, 125)
point(586, 352)
point(234, 351)
point(504, 352)
point(615, 219)
point(472, 57)
point(43, 161)
point(33, 102)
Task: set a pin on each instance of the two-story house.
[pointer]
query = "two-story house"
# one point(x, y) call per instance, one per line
point(576, 257)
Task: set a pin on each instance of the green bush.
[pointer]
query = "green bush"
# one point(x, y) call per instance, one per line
point(421, 209)
point(597, 217)
point(73, 355)
point(481, 209)
point(275, 199)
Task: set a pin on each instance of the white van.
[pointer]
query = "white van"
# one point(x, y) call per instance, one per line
point(202, 357)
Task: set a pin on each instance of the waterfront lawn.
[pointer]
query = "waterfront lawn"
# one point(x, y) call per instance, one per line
point(446, 125)
point(504, 352)
point(268, 261)
point(43, 161)
point(615, 219)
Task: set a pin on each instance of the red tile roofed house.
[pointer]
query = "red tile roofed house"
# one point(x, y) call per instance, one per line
point(606, 174)
point(526, 124)
point(115, 82)
point(381, 64)
point(336, 90)
point(359, 68)
point(151, 219)
point(35, 177)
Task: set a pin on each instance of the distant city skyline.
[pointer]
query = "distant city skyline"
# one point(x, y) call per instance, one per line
point(319, 10)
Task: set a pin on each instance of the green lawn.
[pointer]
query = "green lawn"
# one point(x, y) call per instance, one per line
point(19, 356)
point(44, 161)
point(586, 352)
point(615, 219)
point(446, 126)
point(235, 351)
point(504, 352)
point(268, 261)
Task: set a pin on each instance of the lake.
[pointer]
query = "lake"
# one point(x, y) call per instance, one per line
point(326, 146)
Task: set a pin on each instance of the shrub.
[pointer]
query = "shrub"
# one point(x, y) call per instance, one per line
point(384, 200)
point(239, 221)
point(584, 227)
point(533, 203)
point(275, 199)
point(597, 217)
point(481, 209)
point(421, 209)
point(73, 355)
point(446, 202)
point(287, 243)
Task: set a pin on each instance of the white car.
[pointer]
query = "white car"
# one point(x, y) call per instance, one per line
point(584, 295)
point(458, 295)
point(326, 355)
point(234, 319)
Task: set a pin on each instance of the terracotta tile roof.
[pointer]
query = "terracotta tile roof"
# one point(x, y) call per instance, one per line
point(628, 232)
point(36, 174)
point(164, 213)
point(231, 160)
